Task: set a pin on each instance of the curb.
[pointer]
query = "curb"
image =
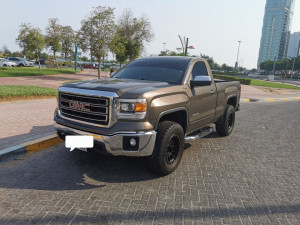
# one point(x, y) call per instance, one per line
point(30, 147)
point(269, 99)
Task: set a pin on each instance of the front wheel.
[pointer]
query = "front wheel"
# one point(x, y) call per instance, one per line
point(21, 65)
point(169, 147)
point(225, 124)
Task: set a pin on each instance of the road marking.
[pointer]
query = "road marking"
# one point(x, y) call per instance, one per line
point(285, 99)
point(270, 100)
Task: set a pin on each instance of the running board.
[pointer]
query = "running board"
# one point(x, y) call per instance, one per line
point(203, 132)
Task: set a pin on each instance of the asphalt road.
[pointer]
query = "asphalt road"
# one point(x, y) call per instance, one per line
point(250, 177)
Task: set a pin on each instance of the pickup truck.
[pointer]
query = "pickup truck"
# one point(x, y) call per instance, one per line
point(149, 108)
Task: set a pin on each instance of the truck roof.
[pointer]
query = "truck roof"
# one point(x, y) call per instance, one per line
point(167, 58)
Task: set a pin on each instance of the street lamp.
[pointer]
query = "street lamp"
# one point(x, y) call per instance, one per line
point(237, 58)
point(294, 63)
point(274, 64)
point(164, 46)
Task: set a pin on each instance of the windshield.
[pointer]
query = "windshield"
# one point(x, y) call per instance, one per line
point(171, 71)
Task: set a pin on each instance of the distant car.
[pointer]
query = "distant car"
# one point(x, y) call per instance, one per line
point(6, 63)
point(20, 61)
point(94, 66)
point(42, 62)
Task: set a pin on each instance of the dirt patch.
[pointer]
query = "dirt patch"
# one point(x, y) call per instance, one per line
point(277, 90)
point(21, 99)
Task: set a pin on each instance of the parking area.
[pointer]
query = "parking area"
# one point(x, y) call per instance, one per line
point(250, 177)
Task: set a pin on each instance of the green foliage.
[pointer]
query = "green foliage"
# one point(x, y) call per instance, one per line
point(135, 31)
point(5, 51)
point(53, 37)
point(171, 53)
point(210, 60)
point(83, 58)
point(118, 46)
point(31, 71)
point(31, 40)
point(97, 31)
point(44, 55)
point(68, 39)
point(67, 63)
point(254, 82)
point(286, 64)
point(10, 91)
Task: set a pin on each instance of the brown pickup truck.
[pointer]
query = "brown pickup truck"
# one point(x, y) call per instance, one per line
point(150, 108)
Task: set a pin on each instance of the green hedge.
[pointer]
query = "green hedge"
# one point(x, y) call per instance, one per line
point(254, 82)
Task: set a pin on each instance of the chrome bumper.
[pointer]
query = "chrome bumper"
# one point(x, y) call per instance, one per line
point(114, 143)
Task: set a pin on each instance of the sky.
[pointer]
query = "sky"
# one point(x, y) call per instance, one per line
point(213, 27)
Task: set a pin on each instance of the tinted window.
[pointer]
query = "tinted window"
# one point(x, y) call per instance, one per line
point(171, 71)
point(199, 69)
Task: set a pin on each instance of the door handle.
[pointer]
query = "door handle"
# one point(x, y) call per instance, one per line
point(212, 91)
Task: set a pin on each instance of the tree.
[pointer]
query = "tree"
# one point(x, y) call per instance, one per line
point(118, 47)
point(136, 31)
point(5, 51)
point(31, 40)
point(68, 39)
point(171, 53)
point(53, 37)
point(210, 60)
point(97, 32)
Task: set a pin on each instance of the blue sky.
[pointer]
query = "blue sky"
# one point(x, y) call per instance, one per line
point(214, 27)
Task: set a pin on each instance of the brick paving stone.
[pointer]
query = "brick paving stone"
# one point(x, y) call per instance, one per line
point(250, 177)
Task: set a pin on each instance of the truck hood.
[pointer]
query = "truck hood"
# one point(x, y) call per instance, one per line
point(125, 88)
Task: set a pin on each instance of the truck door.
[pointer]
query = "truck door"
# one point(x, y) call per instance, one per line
point(203, 98)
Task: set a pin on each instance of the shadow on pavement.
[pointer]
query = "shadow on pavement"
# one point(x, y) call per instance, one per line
point(59, 169)
point(35, 133)
point(176, 214)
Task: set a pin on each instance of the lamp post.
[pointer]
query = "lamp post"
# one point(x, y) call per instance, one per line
point(164, 46)
point(274, 64)
point(237, 58)
point(294, 63)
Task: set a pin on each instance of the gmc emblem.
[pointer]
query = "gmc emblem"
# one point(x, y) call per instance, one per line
point(79, 106)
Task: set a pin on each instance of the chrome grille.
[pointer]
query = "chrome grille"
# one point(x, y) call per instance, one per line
point(84, 108)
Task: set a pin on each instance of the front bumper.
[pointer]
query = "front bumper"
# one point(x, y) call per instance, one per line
point(114, 144)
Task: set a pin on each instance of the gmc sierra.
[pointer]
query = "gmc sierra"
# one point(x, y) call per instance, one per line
point(149, 108)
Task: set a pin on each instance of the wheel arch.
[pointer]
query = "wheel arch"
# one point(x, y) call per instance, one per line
point(178, 115)
point(232, 100)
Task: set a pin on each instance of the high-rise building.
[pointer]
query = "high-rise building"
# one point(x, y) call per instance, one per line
point(276, 30)
point(294, 45)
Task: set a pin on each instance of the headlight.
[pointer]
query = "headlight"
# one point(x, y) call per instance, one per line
point(131, 108)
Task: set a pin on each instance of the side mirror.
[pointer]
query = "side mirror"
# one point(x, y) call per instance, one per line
point(200, 81)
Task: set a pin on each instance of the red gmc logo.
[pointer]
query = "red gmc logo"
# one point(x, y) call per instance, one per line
point(79, 106)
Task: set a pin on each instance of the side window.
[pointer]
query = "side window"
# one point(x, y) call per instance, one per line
point(199, 69)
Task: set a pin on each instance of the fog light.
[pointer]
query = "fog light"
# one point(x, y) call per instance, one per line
point(132, 142)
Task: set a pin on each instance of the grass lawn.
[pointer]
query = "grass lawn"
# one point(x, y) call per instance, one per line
point(31, 71)
point(15, 91)
point(254, 82)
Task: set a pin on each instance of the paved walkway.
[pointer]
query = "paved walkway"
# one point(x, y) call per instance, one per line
point(31, 119)
point(52, 81)
point(26, 121)
point(260, 92)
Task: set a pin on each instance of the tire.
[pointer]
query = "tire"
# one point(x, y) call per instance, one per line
point(4, 65)
point(226, 123)
point(21, 65)
point(169, 147)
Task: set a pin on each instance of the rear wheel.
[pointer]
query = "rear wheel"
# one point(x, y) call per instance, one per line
point(4, 65)
point(168, 148)
point(21, 65)
point(226, 123)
